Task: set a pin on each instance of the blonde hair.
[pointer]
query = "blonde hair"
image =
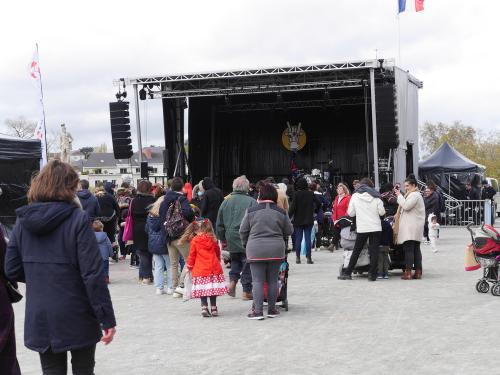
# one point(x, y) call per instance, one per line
point(195, 228)
point(98, 226)
point(344, 187)
point(155, 210)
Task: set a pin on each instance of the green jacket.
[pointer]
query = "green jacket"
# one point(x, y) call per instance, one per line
point(229, 218)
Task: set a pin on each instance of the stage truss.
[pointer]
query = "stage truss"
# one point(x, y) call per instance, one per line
point(270, 80)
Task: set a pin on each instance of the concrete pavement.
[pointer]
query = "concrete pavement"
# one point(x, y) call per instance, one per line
point(438, 325)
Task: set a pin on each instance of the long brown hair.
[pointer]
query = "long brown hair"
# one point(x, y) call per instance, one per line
point(197, 227)
point(57, 181)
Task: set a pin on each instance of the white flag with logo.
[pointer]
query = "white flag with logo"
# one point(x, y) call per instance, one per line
point(40, 128)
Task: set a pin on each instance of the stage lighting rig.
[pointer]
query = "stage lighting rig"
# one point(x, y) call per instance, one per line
point(142, 93)
point(120, 95)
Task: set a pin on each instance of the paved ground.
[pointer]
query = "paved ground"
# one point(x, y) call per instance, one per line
point(438, 325)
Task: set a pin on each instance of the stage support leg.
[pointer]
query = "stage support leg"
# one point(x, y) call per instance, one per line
point(138, 124)
point(374, 128)
point(212, 144)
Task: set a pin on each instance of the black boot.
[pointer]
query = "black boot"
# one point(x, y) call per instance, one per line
point(297, 260)
point(310, 261)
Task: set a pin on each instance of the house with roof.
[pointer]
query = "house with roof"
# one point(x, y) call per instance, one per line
point(102, 167)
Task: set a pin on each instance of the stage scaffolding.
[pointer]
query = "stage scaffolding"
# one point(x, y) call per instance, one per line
point(174, 89)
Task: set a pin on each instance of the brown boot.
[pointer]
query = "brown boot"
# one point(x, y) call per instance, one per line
point(417, 275)
point(247, 296)
point(406, 274)
point(232, 288)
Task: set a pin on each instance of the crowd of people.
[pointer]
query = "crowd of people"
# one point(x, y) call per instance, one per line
point(176, 236)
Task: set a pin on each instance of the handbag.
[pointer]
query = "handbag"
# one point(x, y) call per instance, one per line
point(12, 291)
point(470, 262)
point(128, 230)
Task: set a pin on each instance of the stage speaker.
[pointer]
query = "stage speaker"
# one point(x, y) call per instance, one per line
point(387, 117)
point(120, 130)
point(144, 169)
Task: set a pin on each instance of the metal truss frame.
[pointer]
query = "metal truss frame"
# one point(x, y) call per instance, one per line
point(268, 80)
point(324, 103)
point(257, 72)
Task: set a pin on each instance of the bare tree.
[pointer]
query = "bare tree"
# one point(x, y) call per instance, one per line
point(20, 127)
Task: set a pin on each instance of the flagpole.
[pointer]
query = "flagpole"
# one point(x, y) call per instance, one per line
point(399, 43)
point(43, 107)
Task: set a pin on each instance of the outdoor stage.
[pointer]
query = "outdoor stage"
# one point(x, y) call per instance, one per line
point(362, 115)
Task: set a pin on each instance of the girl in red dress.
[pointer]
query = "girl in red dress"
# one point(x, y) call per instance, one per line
point(204, 264)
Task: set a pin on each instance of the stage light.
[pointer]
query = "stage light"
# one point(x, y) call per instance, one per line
point(142, 93)
point(227, 99)
point(184, 103)
point(124, 94)
point(279, 97)
point(326, 95)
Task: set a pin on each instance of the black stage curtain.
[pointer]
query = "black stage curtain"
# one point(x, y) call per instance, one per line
point(250, 142)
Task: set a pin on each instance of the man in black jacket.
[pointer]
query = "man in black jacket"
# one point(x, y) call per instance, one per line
point(211, 202)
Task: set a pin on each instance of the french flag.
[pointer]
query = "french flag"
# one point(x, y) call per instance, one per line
point(419, 5)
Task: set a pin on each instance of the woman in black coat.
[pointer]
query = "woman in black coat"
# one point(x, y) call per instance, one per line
point(140, 206)
point(8, 360)
point(53, 249)
point(109, 210)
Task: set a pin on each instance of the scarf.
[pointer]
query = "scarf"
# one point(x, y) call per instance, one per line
point(397, 217)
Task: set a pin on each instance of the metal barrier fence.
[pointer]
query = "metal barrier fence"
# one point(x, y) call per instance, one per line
point(460, 213)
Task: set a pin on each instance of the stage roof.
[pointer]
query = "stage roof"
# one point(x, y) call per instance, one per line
point(269, 80)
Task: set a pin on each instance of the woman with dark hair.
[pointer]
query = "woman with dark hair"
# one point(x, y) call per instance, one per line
point(262, 230)
point(140, 208)
point(211, 202)
point(409, 226)
point(302, 209)
point(54, 251)
point(8, 360)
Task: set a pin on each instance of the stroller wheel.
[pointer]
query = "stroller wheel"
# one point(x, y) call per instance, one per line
point(495, 290)
point(482, 286)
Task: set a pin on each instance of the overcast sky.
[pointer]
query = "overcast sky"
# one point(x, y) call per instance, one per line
point(452, 46)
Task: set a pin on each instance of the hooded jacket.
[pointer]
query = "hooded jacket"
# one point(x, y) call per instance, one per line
point(89, 203)
point(212, 200)
point(54, 251)
point(367, 206)
point(157, 242)
point(105, 247)
point(204, 256)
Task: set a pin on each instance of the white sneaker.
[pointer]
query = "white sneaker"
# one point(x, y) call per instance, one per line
point(177, 295)
point(179, 290)
point(159, 291)
point(435, 251)
point(170, 291)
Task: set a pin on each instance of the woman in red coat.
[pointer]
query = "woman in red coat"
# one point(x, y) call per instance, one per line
point(204, 264)
point(340, 204)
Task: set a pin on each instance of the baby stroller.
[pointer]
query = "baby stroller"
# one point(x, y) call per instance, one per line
point(486, 248)
point(282, 285)
point(327, 234)
point(347, 240)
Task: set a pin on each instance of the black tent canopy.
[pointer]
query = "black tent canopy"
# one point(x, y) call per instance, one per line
point(19, 158)
point(449, 169)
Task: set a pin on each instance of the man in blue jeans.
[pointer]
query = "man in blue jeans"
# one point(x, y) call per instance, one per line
point(229, 217)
